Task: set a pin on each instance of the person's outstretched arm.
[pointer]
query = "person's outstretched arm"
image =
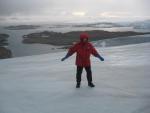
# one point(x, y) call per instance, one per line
point(100, 57)
point(70, 52)
point(96, 54)
point(67, 55)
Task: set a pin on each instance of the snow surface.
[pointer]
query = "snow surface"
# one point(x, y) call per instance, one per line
point(44, 84)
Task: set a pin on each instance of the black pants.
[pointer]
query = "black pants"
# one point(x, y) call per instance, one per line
point(88, 74)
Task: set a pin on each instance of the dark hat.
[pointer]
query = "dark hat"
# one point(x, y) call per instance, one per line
point(84, 36)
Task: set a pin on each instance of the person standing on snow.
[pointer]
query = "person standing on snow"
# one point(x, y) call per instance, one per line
point(83, 49)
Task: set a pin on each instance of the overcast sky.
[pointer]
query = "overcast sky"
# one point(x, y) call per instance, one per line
point(74, 10)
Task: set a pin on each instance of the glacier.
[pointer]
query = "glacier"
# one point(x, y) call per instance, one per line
point(44, 84)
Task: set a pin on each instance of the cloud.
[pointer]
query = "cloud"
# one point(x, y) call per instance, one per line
point(73, 9)
point(114, 14)
point(26, 7)
point(79, 13)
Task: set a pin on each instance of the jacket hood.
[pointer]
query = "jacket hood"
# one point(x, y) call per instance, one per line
point(84, 36)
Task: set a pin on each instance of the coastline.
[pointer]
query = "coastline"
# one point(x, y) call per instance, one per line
point(4, 51)
point(65, 39)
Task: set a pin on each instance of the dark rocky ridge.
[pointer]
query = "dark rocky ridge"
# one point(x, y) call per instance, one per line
point(4, 52)
point(3, 39)
point(22, 27)
point(59, 39)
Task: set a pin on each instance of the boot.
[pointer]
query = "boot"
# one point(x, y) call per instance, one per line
point(90, 84)
point(78, 85)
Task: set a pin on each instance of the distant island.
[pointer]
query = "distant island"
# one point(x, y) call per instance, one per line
point(4, 52)
point(22, 27)
point(99, 25)
point(65, 39)
point(93, 25)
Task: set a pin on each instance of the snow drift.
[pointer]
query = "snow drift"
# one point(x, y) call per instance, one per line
point(44, 84)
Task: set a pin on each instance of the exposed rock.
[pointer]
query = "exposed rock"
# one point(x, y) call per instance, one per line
point(22, 27)
point(56, 38)
point(3, 39)
point(5, 53)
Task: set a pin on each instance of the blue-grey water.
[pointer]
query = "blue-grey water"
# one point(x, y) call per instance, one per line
point(19, 49)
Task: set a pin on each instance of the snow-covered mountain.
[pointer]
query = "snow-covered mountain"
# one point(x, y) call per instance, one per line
point(141, 25)
point(122, 41)
point(44, 84)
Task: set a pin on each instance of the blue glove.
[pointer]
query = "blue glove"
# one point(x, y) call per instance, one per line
point(101, 58)
point(67, 55)
point(63, 59)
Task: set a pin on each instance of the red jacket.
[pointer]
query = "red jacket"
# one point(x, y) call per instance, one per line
point(83, 50)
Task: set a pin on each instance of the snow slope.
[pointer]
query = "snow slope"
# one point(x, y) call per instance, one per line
point(44, 84)
point(119, 41)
